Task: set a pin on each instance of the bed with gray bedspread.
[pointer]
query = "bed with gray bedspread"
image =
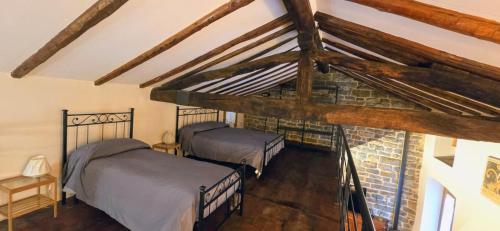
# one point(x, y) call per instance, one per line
point(217, 141)
point(140, 188)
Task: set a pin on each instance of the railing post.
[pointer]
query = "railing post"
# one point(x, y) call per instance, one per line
point(365, 213)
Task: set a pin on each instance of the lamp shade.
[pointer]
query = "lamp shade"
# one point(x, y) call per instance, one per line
point(36, 166)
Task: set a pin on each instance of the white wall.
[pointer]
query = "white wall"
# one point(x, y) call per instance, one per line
point(473, 210)
point(30, 117)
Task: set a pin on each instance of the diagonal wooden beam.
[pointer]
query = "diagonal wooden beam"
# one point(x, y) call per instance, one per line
point(448, 19)
point(481, 89)
point(269, 49)
point(401, 88)
point(283, 20)
point(233, 70)
point(400, 49)
point(173, 40)
point(486, 109)
point(424, 99)
point(323, 67)
point(269, 83)
point(474, 128)
point(234, 80)
point(353, 51)
point(240, 83)
point(228, 56)
point(263, 79)
point(93, 15)
point(263, 52)
point(284, 81)
point(379, 86)
point(301, 13)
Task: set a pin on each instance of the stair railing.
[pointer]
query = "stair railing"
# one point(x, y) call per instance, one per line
point(347, 174)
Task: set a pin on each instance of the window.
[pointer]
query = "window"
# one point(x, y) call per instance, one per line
point(230, 118)
point(445, 149)
point(447, 211)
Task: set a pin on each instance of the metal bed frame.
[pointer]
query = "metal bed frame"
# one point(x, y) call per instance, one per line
point(232, 186)
point(189, 115)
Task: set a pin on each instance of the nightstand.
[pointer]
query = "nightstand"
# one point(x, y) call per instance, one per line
point(166, 147)
point(20, 207)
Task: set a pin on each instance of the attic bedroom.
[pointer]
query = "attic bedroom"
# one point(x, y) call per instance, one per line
point(250, 115)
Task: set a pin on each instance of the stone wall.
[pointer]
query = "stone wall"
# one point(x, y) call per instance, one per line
point(377, 152)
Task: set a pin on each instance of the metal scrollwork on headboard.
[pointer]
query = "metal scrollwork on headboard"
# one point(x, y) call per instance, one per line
point(91, 119)
point(190, 115)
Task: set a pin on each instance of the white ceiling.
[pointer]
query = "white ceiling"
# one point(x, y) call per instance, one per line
point(131, 30)
point(141, 24)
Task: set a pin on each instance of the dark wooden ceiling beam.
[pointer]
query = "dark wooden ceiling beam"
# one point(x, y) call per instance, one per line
point(323, 67)
point(382, 87)
point(228, 56)
point(301, 13)
point(282, 82)
point(486, 109)
point(269, 49)
point(426, 96)
point(473, 128)
point(263, 80)
point(447, 19)
point(242, 83)
point(233, 70)
point(178, 37)
point(283, 20)
point(92, 16)
point(304, 75)
point(456, 101)
point(400, 49)
point(401, 89)
point(233, 80)
point(353, 51)
point(430, 100)
point(258, 54)
point(267, 84)
point(481, 89)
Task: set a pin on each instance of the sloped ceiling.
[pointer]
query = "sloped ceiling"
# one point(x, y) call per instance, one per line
point(455, 43)
point(131, 30)
point(140, 25)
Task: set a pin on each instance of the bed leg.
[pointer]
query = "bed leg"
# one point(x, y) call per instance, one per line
point(63, 197)
point(201, 209)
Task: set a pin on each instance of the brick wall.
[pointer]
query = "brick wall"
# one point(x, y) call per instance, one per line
point(377, 152)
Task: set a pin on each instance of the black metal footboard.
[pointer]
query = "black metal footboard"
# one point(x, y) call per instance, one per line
point(269, 148)
point(228, 192)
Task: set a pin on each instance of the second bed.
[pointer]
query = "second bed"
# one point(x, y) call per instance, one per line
point(201, 134)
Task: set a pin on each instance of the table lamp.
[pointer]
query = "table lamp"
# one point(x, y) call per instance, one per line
point(37, 166)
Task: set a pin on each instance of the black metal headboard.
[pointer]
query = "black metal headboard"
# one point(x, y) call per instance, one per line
point(87, 123)
point(190, 115)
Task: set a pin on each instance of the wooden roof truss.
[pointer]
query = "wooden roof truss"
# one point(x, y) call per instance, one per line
point(459, 96)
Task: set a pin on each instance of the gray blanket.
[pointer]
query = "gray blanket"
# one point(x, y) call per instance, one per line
point(217, 141)
point(140, 188)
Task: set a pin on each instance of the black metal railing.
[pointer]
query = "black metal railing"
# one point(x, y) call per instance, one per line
point(348, 177)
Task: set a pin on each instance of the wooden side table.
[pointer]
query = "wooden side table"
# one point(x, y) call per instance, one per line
point(166, 147)
point(18, 184)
